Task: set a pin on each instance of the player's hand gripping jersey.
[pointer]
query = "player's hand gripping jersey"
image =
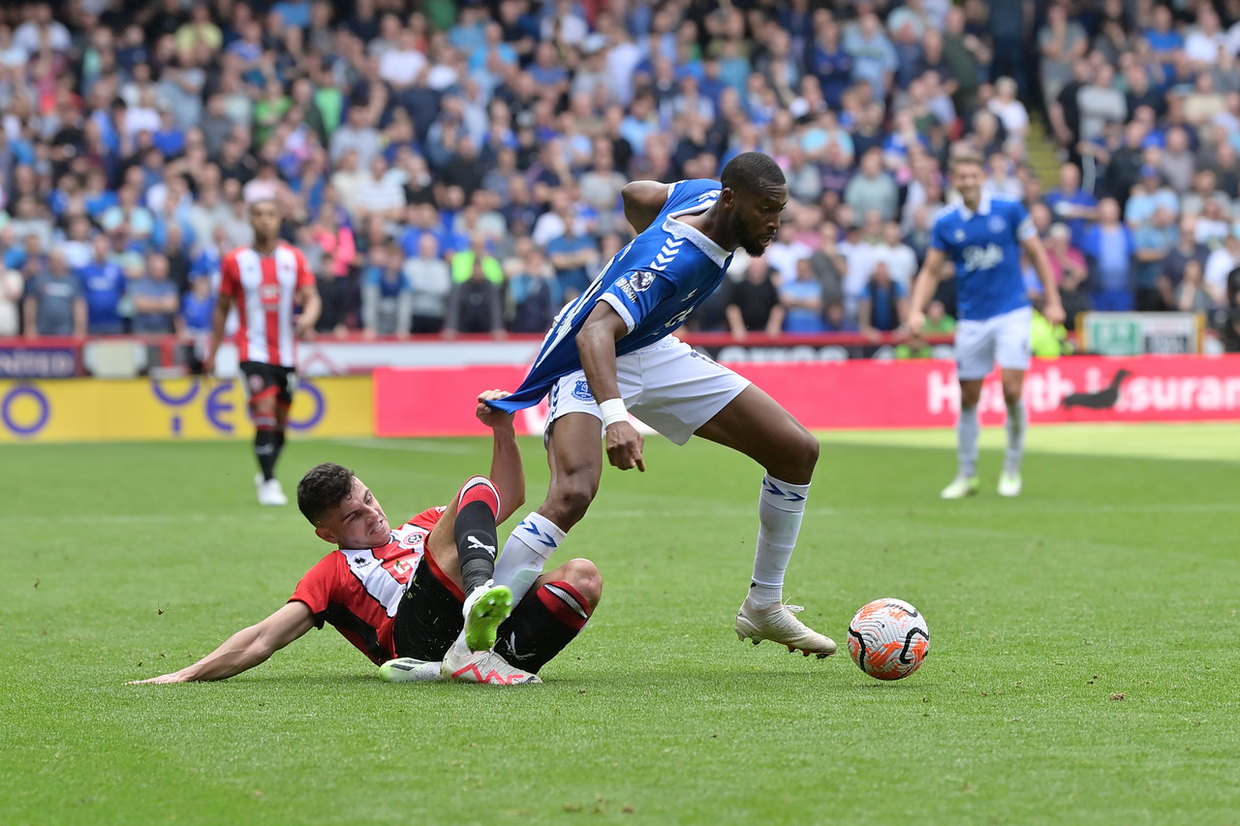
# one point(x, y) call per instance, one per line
point(985, 247)
point(654, 283)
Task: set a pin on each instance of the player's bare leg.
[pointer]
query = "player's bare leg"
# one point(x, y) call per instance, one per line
point(263, 409)
point(968, 429)
point(756, 425)
point(575, 457)
point(1017, 424)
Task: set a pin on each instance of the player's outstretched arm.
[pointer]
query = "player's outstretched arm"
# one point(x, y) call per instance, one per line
point(246, 648)
point(643, 200)
point(596, 345)
point(507, 472)
point(1053, 311)
point(923, 290)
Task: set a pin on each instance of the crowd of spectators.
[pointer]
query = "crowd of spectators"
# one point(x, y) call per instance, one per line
point(455, 166)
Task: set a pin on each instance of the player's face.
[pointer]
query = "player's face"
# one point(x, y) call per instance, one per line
point(358, 521)
point(967, 178)
point(756, 218)
point(264, 219)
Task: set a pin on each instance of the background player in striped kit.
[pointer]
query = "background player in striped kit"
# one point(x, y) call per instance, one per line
point(402, 596)
point(983, 236)
point(612, 350)
point(267, 282)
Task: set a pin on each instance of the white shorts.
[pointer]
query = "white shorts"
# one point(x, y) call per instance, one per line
point(1003, 339)
point(667, 385)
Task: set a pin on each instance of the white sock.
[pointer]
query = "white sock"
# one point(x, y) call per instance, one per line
point(520, 562)
point(1017, 422)
point(967, 431)
point(780, 508)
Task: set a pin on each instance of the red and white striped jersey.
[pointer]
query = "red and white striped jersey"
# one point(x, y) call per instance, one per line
point(358, 591)
point(263, 287)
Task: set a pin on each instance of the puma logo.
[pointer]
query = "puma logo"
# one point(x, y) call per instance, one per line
point(475, 544)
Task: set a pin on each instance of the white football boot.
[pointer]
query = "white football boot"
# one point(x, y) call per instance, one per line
point(777, 623)
point(961, 487)
point(485, 667)
point(269, 492)
point(1009, 484)
point(409, 670)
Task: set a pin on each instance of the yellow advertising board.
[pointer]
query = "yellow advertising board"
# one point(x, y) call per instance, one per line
point(97, 410)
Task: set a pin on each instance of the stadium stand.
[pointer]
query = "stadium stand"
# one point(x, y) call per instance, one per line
point(456, 166)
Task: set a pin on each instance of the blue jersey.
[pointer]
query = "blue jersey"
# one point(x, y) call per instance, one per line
point(985, 247)
point(654, 283)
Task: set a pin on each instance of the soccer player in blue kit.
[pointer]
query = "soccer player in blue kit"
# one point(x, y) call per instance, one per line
point(983, 236)
point(611, 351)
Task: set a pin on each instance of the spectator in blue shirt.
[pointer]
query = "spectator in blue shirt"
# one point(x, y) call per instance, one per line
point(103, 284)
point(874, 58)
point(1072, 205)
point(829, 62)
point(197, 305)
point(387, 298)
point(155, 299)
point(295, 13)
point(1148, 196)
point(1152, 242)
point(837, 321)
point(1108, 247)
point(573, 255)
point(802, 301)
point(882, 307)
point(532, 290)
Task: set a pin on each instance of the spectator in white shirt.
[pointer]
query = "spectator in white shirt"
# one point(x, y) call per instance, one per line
point(786, 251)
point(1010, 111)
point(899, 257)
point(1202, 45)
point(402, 66)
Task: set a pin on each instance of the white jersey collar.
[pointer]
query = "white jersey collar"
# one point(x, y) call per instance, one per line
point(678, 228)
point(983, 207)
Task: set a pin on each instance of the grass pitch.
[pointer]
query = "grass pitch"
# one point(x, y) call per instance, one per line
point(1082, 670)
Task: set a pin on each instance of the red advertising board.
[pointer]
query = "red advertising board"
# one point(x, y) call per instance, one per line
point(867, 393)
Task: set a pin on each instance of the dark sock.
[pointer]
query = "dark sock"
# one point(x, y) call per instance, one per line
point(265, 452)
point(278, 441)
point(475, 544)
point(541, 626)
point(475, 533)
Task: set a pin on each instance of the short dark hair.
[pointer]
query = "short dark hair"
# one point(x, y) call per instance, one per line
point(965, 158)
point(751, 172)
point(322, 488)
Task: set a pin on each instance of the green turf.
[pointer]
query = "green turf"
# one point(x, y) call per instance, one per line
point(1110, 576)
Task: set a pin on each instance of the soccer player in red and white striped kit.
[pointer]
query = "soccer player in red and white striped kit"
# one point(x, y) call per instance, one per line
point(419, 600)
point(267, 282)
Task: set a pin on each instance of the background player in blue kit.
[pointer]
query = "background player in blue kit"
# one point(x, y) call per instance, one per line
point(611, 351)
point(983, 235)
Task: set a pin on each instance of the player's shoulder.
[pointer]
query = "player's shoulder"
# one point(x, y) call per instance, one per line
point(1006, 203)
point(687, 193)
point(947, 213)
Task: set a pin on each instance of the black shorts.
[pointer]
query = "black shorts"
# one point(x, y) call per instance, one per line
point(429, 619)
point(262, 379)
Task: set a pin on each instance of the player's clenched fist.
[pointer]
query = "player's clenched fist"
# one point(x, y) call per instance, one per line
point(492, 417)
point(624, 446)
